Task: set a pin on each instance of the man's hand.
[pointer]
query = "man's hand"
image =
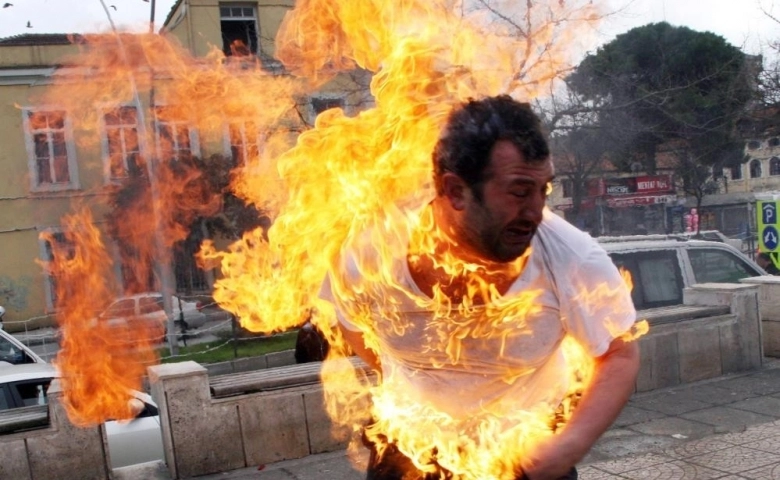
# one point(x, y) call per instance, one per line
point(609, 389)
point(549, 459)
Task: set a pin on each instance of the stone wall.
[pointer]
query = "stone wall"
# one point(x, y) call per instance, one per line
point(203, 435)
point(57, 452)
point(769, 309)
point(691, 348)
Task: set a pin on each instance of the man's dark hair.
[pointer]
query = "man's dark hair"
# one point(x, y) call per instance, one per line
point(474, 128)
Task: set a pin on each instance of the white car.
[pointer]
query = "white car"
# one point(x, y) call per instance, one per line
point(149, 306)
point(662, 267)
point(130, 441)
point(14, 352)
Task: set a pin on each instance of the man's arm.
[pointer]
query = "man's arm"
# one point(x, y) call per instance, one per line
point(358, 344)
point(603, 399)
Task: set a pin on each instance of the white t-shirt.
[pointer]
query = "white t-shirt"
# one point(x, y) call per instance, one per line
point(496, 358)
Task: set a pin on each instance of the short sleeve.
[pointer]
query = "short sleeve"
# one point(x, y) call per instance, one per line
point(596, 305)
point(327, 294)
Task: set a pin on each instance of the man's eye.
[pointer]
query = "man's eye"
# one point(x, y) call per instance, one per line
point(521, 193)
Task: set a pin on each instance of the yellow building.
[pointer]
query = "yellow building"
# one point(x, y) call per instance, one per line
point(70, 129)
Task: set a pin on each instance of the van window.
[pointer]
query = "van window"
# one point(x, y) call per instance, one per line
point(656, 277)
point(712, 265)
point(12, 354)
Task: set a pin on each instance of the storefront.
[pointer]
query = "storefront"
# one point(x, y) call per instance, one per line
point(624, 205)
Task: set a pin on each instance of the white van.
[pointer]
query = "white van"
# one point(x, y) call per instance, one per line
point(14, 352)
point(661, 268)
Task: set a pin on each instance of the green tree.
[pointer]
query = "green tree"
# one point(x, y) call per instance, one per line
point(660, 85)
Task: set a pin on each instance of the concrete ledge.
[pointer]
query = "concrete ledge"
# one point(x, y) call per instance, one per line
point(716, 332)
point(61, 450)
point(769, 310)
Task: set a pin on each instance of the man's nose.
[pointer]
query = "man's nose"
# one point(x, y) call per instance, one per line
point(534, 209)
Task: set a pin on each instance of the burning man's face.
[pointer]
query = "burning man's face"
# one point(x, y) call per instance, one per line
point(500, 227)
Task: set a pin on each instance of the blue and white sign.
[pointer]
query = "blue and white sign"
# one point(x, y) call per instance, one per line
point(769, 213)
point(770, 237)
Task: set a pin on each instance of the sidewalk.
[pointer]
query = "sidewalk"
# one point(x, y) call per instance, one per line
point(726, 428)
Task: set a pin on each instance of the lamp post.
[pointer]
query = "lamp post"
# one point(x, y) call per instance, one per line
point(166, 274)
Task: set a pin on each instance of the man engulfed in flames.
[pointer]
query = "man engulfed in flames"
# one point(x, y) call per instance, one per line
point(476, 309)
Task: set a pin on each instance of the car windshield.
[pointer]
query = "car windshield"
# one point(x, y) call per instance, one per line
point(12, 354)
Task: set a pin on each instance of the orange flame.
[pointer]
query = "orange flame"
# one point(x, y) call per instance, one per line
point(346, 181)
point(143, 94)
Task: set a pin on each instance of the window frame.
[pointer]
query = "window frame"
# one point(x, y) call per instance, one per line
point(774, 166)
point(49, 283)
point(192, 134)
point(755, 162)
point(630, 260)
point(703, 250)
point(254, 46)
point(70, 150)
point(736, 169)
point(260, 138)
point(104, 144)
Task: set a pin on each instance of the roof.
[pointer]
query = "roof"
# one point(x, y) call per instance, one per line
point(41, 39)
point(27, 371)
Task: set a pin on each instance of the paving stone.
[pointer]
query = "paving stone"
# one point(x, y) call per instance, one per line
point(769, 472)
point(670, 404)
point(632, 463)
point(632, 414)
point(764, 405)
point(674, 426)
point(726, 418)
point(673, 470)
point(697, 447)
point(712, 394)
point(752, 384)
point(591, 473)
point(736, 459)
point(624, 442)
point(771, 444)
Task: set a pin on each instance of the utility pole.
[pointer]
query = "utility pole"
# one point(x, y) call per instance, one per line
point(151, 18)
point(166, 274)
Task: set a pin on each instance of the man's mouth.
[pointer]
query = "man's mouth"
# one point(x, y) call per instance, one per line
point(520, 234)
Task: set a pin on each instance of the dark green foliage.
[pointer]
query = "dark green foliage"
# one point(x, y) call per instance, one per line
point(663, 85)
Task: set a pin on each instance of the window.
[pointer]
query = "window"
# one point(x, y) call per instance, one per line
point(32, 392)
point(150, 305)
point(755, 168)
point(656, 275)
point(753, 144)
point(568, 188)
point(239, 29)
point(12, 354)
point(174, 136)
point(245, 139)
point(718, 266)
point(51, 156)
point(774, 166)
point(52, 242)
point(736, 172)
point(120, 309)
point(319, 105)
point(774, 141)
point(121, 144)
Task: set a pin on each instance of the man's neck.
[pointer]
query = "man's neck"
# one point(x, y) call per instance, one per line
point(441, 266)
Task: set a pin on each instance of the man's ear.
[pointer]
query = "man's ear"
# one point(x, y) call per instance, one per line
point(455, 190)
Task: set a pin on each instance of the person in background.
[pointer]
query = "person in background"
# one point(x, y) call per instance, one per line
point(765, 261)
point(310, 344)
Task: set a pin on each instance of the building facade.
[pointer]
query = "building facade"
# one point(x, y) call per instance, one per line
point(58, 158)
